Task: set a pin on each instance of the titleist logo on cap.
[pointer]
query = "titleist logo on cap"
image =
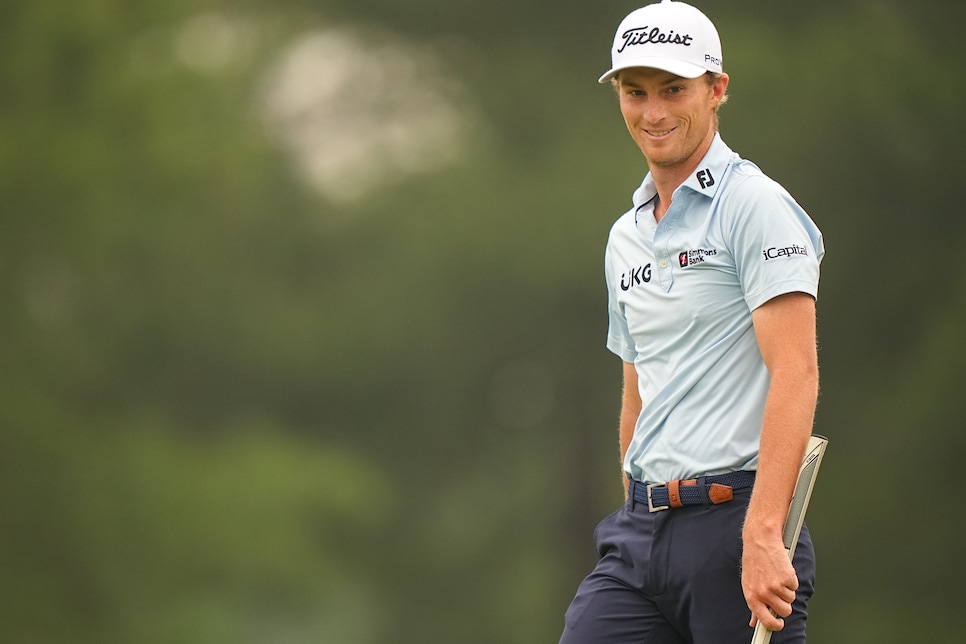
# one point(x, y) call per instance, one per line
point(671, 36)
point(646, 34)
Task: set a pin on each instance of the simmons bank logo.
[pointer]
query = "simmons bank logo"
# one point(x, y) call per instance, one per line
point(696, 256)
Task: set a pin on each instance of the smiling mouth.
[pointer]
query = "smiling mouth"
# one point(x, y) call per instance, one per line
point(659, 133)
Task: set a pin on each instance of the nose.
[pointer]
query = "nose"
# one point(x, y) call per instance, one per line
point(653, 110)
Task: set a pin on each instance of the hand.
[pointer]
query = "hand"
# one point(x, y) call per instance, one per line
point(768, 579)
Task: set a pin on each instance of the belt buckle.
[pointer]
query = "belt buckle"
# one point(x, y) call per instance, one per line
point(650, 502)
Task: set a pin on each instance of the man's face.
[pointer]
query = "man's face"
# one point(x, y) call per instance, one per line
point(671, 119)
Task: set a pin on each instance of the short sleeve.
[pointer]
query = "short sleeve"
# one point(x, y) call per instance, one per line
point(776, 246)
point(619, 339)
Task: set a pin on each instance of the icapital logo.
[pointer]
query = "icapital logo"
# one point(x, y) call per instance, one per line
point(775, 252)
point(646, 34)
point(696, 256)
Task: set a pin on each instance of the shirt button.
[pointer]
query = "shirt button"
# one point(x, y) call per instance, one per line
point(663, 263)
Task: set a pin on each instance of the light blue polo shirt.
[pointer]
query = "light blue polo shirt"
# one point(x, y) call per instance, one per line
point(680, 297)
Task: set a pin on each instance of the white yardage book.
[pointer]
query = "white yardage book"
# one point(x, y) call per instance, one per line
point(814, 452)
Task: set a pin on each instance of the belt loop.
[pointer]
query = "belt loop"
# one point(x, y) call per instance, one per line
point(631, 484)
point(703, 486)
point(674, 494)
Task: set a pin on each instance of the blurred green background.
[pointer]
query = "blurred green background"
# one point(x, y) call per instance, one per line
point(303, 325)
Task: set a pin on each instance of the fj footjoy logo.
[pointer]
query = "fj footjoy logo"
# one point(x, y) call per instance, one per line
point(705, 178)
point(646, 34)
point(635, 277)
point(696, 256)
point(787, 251)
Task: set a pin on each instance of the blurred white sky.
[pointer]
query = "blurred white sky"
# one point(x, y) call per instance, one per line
point(354, 108)
point(358, 109)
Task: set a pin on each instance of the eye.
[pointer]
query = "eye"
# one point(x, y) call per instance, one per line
point(675, 89)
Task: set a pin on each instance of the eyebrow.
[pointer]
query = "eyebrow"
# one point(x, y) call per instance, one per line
point(673, 80)
point(670, 78)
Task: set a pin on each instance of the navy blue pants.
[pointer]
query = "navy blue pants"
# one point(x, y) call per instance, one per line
point(673, 577)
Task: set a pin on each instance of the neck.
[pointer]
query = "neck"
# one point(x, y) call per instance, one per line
point(667, 179)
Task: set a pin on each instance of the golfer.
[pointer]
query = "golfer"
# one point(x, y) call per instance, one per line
point(711, 278)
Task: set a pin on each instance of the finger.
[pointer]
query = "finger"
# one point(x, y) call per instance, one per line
point(782, 609)
point(770, 621)
point(782, 605)
point(761, 613)
point(776, 624)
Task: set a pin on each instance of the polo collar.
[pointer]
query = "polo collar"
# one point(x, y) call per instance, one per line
point(705, 179)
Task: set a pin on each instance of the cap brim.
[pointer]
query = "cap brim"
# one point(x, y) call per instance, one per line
point(672, 65)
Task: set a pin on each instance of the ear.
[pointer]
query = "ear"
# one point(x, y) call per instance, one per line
point(720, 88)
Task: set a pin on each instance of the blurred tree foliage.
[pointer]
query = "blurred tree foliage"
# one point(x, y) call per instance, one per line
point(236, 408)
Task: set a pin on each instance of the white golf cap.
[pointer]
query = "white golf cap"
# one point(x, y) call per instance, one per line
point(672, 36)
